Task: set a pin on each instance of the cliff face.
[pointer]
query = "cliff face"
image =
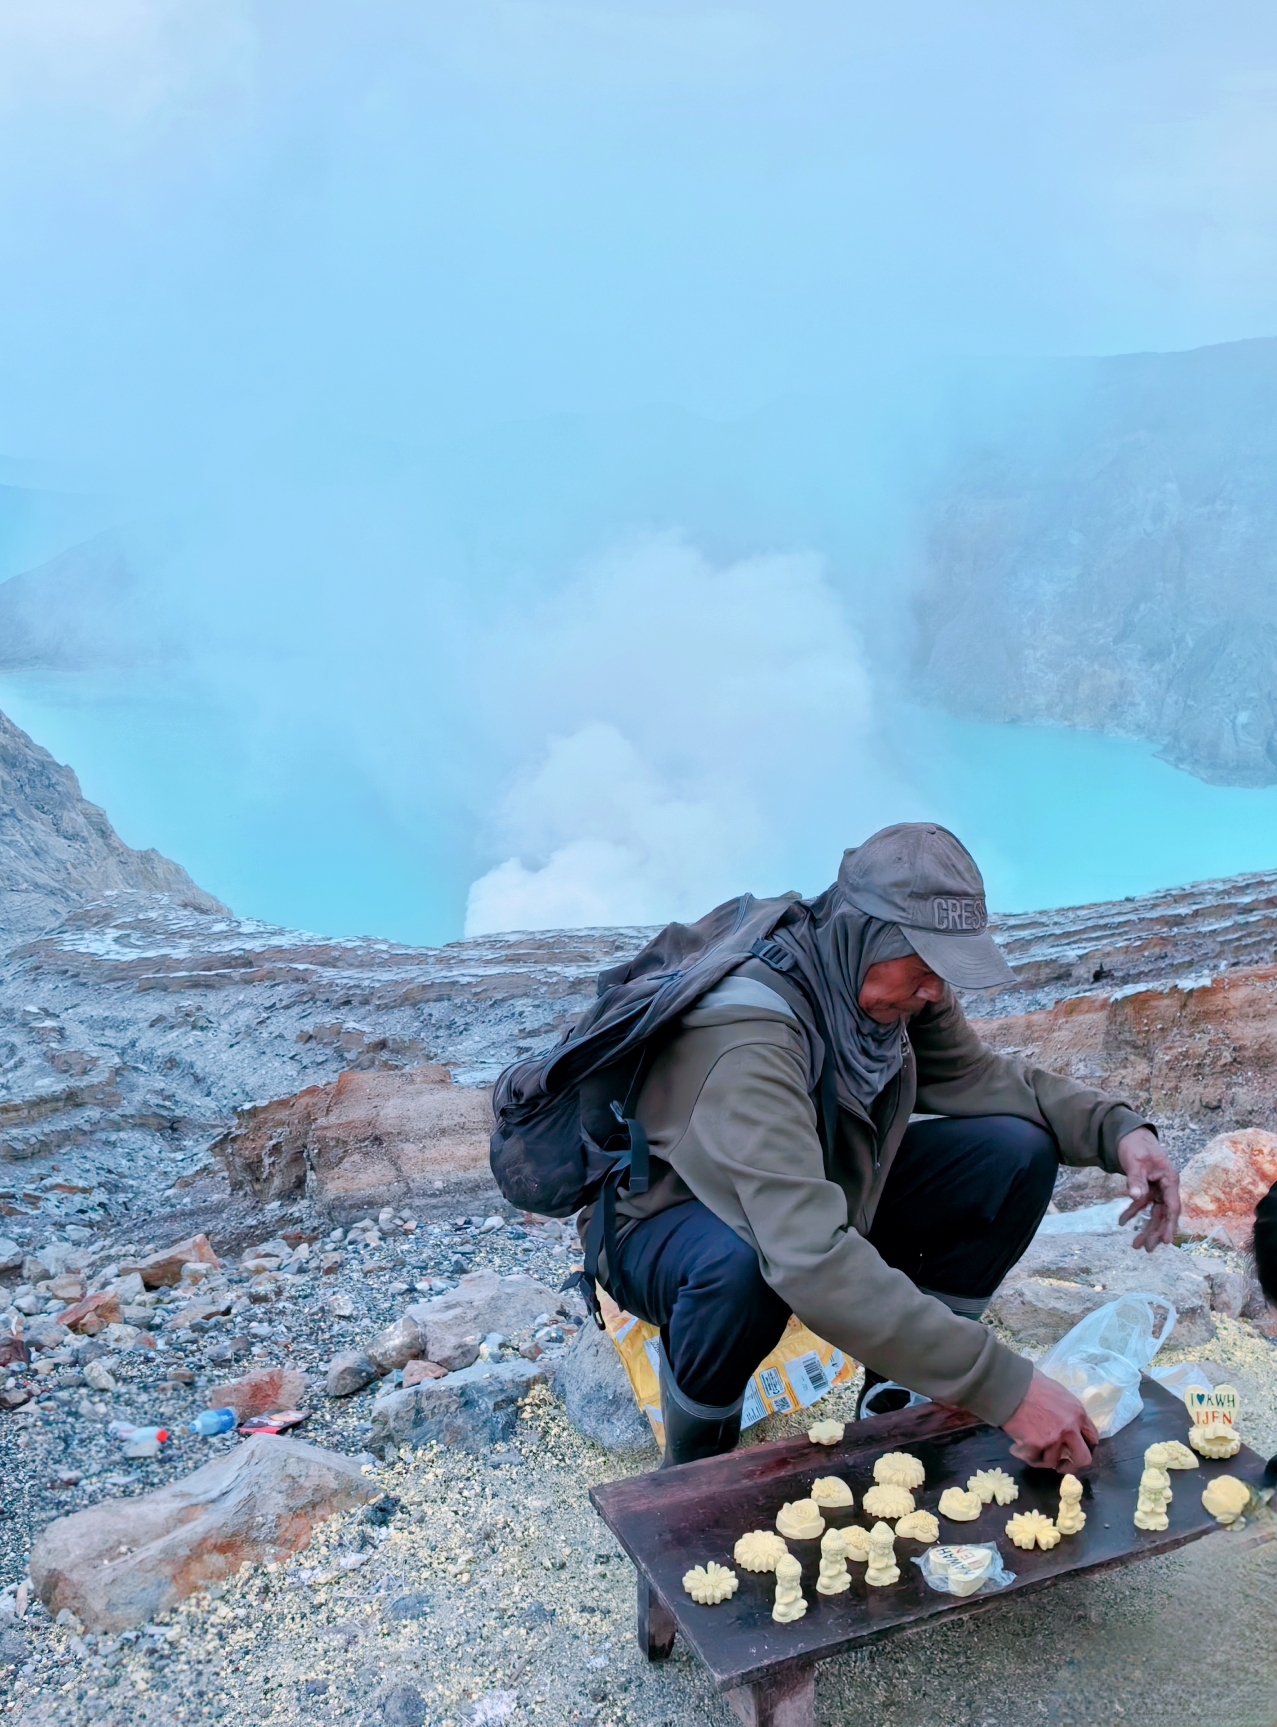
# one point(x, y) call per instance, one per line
point(1108, 561)
point(57, 850)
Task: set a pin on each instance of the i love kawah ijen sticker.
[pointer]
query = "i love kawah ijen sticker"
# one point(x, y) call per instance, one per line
point(1211, 1408)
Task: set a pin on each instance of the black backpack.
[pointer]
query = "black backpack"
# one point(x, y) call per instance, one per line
point(565, 1132)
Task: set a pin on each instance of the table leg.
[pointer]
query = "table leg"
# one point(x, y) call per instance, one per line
point(787, 1701)
point(656, 1624)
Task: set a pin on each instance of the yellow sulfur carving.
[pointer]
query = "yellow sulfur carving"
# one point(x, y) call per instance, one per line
point(829, 1490)
point(918, 1526)
point(882, 1568)
point(1030, 1528)
point(710, 1584)
point(887, 1500)
point(993, 1484)
point(759, 1550)
point(899, 1469)
point(826, 1432)
point(1170, 1454)
point(789, 1594)
point(1070, 1519)
point(960, 1507)
point(800, 1519)
point(1226, 1498)
point(855, 1541)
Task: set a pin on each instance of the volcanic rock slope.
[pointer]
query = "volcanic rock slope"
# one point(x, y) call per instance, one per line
point(134, 1027)
point(1106, 560)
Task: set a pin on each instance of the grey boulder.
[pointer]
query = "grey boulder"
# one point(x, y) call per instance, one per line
point(454, 1325)
point(594, 1387)
point(1064, 1277)
point(349, 1372)
point(472, 1409)
point(398, 1344)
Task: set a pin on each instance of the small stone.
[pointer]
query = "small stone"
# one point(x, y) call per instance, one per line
point(399, 1343)
point(98, 1376)
point(348, 1372)
point(330, 1263)
point(416, 1371)
point(403, 1706)
point(412, 1606)
point(164, 1269)
point(93, 1314)
point(11, 1255)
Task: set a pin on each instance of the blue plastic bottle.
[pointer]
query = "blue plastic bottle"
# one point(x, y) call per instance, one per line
point(211, 1421)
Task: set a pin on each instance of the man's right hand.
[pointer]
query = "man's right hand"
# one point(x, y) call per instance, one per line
point(1051, 1428)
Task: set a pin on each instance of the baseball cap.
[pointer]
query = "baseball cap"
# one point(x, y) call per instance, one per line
point(923, 878)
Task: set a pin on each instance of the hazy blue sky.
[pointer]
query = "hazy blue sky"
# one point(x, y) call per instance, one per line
point(336, 306)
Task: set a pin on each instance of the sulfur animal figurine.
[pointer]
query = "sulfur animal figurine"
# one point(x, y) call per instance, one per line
point(789, 1593)
point(899, 1469)
point(834, 1576)
point(800, 1520)
point(882, 1568)
point(887, 1500)
point(709, 1584)
point(1154, 1496)
point(759, 1550)
point(1070, 1519)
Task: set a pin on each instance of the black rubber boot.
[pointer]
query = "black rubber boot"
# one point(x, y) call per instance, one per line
point(693, 1429)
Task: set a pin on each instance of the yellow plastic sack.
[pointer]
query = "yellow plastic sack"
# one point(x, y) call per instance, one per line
point(799, 1371)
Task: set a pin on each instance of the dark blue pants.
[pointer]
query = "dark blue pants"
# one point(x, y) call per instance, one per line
point(961, 1204)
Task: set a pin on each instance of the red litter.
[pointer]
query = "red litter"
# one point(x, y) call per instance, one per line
point(275, 1423)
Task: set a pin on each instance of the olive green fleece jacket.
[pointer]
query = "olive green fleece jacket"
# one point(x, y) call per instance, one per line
point(730, 1120)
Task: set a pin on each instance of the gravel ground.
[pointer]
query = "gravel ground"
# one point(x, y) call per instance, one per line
point(492, 1592)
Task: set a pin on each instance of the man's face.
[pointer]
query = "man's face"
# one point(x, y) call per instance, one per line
point(897, 988)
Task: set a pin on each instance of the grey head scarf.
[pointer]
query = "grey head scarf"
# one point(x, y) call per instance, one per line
point(833, 944)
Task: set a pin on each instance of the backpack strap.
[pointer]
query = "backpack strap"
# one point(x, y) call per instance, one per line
point(636, 1163)
point(772, 954)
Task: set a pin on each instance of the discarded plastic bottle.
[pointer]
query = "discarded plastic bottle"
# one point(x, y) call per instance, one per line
point(139, 1441)
point(211, 1421)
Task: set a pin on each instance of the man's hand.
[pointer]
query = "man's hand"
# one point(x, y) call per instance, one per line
point(1051, 1428)
point(1150, 1175)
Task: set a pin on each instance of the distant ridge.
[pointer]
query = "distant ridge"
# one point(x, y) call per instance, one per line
point(57, 851)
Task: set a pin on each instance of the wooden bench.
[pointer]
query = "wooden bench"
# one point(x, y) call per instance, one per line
point(673, 1519)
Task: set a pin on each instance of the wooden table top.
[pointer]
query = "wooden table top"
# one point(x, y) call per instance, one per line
point(670, 1520)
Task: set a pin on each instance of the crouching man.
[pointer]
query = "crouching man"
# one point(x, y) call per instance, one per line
point(830, 1138)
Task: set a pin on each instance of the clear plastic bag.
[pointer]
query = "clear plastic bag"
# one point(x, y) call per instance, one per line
point(972, 1569)
point(1101, 1359)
